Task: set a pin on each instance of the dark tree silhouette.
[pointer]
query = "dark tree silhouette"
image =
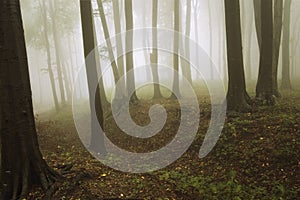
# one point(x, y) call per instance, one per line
point(237, 97)
point(97, 139)
point(264, 88)
point(22, 162)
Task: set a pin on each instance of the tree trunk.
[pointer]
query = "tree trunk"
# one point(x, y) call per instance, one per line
point(237, 96)
point(210, 40)
point(286, 79)
point(47, 45)
point(119, 43)
point(129, 53)
point(264, 88)
point(176, 89)
point(257, 15)
point(97, 139)
point(187, 66)
point(277, 30)
point(22, 164)
point(154, 55)
point(119, 92)
point(58, 64)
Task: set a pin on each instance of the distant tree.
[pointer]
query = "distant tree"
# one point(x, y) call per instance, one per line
point(176, 15)
point(186, 67)
point(119, 43)
point(237, 97)
point(42, 7)
point(129, 54)
point(22, 164)
point(154, 54)
point(264, 87)
point(97, 139)
point(57, 55)
point(286, 79)
point(119, 92)
point(210, 24)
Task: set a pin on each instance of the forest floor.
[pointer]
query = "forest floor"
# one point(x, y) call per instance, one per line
point(256, 157)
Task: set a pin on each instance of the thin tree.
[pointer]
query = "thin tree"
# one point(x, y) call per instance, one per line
point(48, 51)
point(22, 164)
point(187, 40)
point(176, 89)
point(119, 92)
point(286, 77)
point(264, 87)
point(277, 30)
point(237, 97)
point(154, 54)
point(119, 43)
point(57, 55)
point(129, 53)
point(97, 139)
point(257, 15)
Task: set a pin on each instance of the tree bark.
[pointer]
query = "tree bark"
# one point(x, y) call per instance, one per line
point(237, 97)
point(22, 164)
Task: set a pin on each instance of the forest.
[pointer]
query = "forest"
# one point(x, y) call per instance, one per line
point(149, 99)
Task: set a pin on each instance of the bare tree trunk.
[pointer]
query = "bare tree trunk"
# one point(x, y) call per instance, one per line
point(129, 55)
point(47, 45)
point(210, 40)
point(257, 15)
point(176, 89)
point(286, 77)
point(154, 55)
point(119, 43)
point(58, 63)
point(22, 164)
point(97, 139)
point(186, 67)
point(237, 97)
point(119, 92)
point(277, 30)
point(264, 88)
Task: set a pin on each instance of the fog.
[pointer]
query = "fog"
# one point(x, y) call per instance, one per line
point(207, 30)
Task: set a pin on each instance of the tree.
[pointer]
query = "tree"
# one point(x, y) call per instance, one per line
point(129, 54)
point(237, 97)
point(47, 46)
point(186, 67)
point(176, 89)
point(119, 92)
point(97, 139)
point(22, 164)
point(277, 30)
point(119, 43)
point(286, 79)
point(257, 15)
point(264, 87)
point(154, 54)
